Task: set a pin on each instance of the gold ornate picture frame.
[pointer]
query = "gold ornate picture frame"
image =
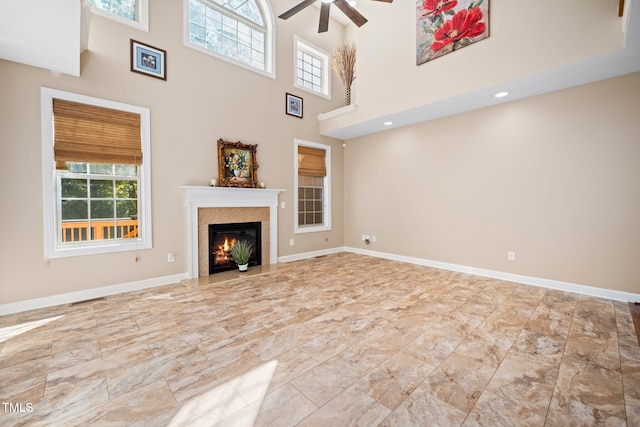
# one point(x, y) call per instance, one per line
point(237, 165)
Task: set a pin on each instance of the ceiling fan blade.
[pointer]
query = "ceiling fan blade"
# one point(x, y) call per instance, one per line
point(297, 8)
point(323, 26)
point(353, 14)
point(386, 1)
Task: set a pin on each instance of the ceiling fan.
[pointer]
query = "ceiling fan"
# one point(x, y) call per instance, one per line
point(343, 5)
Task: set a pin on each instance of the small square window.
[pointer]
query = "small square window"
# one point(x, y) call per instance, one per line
point(312, 69)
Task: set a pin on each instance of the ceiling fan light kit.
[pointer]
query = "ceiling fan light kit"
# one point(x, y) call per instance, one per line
point(345, 6)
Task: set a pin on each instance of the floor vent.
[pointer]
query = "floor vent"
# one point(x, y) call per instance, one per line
point(88, 301)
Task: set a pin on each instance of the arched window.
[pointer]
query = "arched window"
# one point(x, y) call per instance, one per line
point(239, 31)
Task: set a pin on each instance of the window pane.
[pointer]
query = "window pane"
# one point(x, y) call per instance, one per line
point(101, 188)
point(100, 169)
point(131, 170)
point(126, 209)
point(126, 189)
point(74, 188)
point(102, 209)
point(77, 167)
point(74, 209)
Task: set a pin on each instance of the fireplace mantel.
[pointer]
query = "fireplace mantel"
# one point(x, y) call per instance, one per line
point(229, 197)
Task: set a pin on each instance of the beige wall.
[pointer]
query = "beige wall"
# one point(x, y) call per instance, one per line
point(525, 38)
point(203, 99)
point(555, 178)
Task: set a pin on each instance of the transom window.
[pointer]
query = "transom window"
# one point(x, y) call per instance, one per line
point(239, 31)
point(312, 68)
point(130, 12)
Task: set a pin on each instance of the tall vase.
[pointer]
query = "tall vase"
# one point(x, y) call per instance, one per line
point(347, 95)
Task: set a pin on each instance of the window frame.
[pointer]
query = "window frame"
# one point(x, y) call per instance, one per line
point(142, 21)
point(269, 35)
point(300, 44)
point(326, 214)
point(50, 195)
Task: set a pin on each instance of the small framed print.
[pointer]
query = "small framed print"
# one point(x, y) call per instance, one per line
point(294, 105)
point(148, 60)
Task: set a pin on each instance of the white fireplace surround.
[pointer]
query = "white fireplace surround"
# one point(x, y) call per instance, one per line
point(229, 197)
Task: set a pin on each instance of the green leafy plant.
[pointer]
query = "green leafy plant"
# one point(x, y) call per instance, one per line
point(241, 251)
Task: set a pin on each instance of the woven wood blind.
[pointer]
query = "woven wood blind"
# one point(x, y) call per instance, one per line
point(86, 133)
point(311, 162)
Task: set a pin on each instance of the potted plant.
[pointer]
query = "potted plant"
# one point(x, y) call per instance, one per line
point(241, 252)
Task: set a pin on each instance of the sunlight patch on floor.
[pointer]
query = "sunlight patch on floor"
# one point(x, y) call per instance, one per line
point(9, 332)
point(244, 391)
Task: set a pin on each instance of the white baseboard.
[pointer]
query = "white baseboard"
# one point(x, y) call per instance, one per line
point(313, 254)
point(510, 277)
point(71, 297)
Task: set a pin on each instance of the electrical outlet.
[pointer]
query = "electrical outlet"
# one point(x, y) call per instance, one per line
point(171, 257)
point(511, 255)
point(364, 237)
point(291, 242)
point(282, 204)
point(373, 239)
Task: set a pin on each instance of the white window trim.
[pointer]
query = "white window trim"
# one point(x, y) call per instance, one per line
point(270, 42)
point(300, 44)
point(326, 226)
point(142, 23)
point(50, 210)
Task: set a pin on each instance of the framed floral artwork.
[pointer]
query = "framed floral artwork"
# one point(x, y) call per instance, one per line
point(237, 166)
point(444, 26)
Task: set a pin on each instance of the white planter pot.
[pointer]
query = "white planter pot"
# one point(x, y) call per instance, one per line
point(243, 267)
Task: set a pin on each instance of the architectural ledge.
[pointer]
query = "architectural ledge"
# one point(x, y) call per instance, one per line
point(337, 112)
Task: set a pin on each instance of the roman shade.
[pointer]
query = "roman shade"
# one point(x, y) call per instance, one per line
point(87, 133)
point(311, 162)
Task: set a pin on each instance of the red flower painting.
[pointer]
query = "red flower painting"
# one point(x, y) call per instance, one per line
point(465, 23)
point(436, 7)
point(444, 26)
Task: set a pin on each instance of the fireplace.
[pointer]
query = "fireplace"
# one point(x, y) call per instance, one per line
point(222, 237)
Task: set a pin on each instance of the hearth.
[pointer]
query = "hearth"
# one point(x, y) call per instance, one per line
point(222, 237)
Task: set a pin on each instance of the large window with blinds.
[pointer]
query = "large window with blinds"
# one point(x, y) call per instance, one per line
point(95, 157)
point(312, 200)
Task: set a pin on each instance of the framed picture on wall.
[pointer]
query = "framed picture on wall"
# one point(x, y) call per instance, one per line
point(237, 166)
point(294, 105)
point(148, 60)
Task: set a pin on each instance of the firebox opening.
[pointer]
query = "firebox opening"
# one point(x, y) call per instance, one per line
point(222, 238)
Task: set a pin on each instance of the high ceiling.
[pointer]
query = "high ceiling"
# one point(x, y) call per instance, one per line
point(602, 67)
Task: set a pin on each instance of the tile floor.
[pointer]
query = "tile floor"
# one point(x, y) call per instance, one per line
point(342, 340)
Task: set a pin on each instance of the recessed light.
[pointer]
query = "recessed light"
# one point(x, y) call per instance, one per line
point(501, 94)
point(387, 123)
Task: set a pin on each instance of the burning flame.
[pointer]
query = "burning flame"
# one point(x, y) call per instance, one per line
point(222, 252)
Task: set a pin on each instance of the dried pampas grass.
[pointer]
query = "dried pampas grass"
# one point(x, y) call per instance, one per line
point(343, 63)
